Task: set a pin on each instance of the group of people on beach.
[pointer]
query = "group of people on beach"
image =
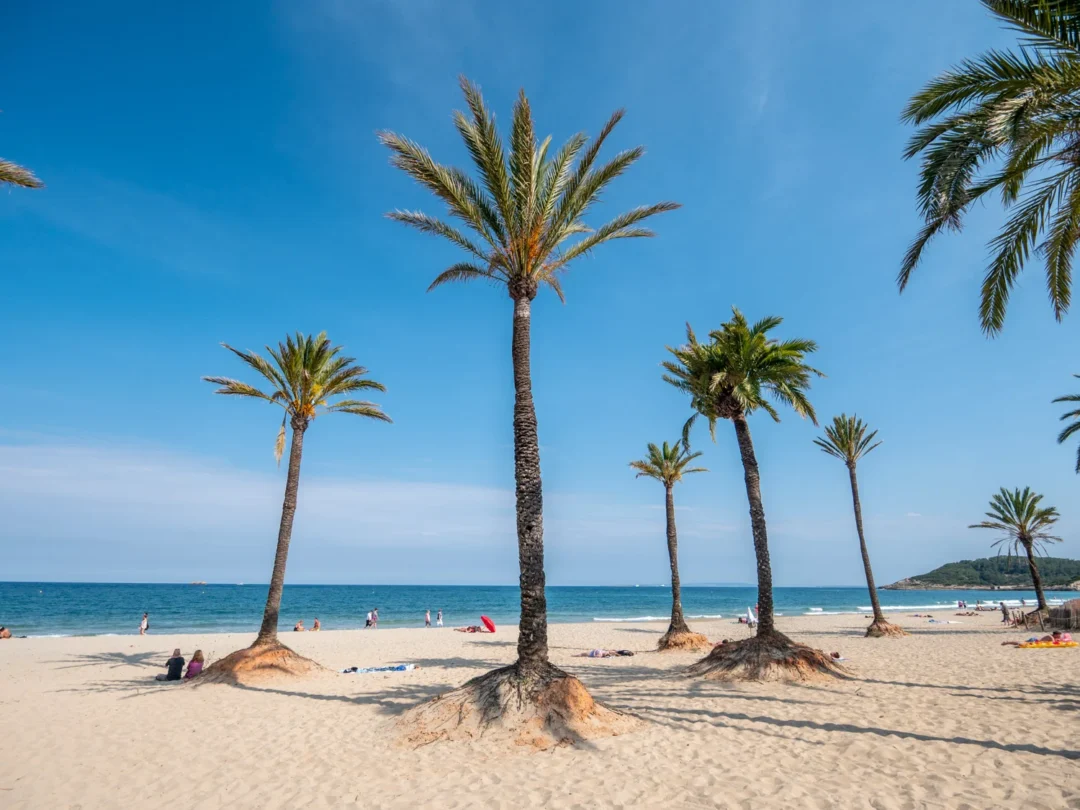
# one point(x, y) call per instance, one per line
point(175, 666)
point(315, 628)
point(427, 618)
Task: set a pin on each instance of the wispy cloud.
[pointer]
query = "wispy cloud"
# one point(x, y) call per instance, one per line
point(144, 223)
point(913, 514)
point(162, 510)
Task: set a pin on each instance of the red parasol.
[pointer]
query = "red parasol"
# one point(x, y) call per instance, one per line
point(488, 623)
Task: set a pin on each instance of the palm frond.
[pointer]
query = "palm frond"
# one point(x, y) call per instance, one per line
point(529, 199)
point(16, 175)
point(308, 372)
point(1050, 24)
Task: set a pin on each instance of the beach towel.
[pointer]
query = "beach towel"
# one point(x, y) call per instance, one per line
point(361, 670)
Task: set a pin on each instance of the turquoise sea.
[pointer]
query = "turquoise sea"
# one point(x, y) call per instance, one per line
point(60, 609)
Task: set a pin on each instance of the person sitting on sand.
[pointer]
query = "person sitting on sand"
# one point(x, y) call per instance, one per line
point(472, 628)
point(4, 632)
point(299, 627)
point(175, 667)
point(315, 628)
point(196, 665)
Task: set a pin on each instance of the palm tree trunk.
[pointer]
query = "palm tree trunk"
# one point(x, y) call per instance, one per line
point(1035, 578)
point(752, 477)
point(678, 622)
point(753, 480)
point(874, 603)
point(532, 637)
point(268, 631)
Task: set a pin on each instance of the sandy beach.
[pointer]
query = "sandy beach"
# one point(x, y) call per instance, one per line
point(946, 718)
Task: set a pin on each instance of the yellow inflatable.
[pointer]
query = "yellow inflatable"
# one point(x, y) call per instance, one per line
point(1048, 645)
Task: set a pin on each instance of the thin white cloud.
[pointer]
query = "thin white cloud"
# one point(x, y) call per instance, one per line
point(913, 514)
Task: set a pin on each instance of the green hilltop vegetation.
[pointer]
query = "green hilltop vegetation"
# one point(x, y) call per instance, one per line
point(995, 572)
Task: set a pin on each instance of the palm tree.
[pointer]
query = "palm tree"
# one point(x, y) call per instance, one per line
point(15, 175)
point(305, 375)
point(846, 439)
point(523, 212)
point(995, 123)
point(1025, 526)
point(1074, 427)
point(668, 464)
point(730, 377)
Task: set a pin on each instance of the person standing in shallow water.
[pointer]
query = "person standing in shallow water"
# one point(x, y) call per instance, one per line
point(427, 618)
point(438, 619)
point(144, 625)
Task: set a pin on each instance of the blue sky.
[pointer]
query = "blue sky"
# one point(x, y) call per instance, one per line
point(213, 175)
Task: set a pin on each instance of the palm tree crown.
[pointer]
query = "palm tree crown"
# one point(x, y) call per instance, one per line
point(999, 122)
point(526, 206)
point(306, 373)
point(1074, 427)
point(739, 368)
point(846, 439)
point(1023, 522)
point(16, 175)
point(667, 464)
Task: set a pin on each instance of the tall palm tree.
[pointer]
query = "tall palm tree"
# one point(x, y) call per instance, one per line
point(524, 209)
point(1026, 527)
point(306, 374)
point(16, 175)
point(730, 377)
point(1005, 122)
point(846, 439)
point(668, 464)
point(1074, 427)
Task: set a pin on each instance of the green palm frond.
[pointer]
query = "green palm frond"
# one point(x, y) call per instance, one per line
point(16, 175)
point(1006, 121)
point(1073, 427)
point(307, 372)
point(667, 463)
point(529, 203)
point(1048, 23)
point(740, 369)
point(1022, 521)
point(847, 439)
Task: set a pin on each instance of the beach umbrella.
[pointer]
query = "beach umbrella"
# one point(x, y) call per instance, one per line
point(488, 623)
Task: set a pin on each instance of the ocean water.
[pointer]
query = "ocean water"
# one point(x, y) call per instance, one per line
point(55, 608)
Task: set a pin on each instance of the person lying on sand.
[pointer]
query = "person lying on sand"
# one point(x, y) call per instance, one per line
point(4, 632)
point(175, 667)
point(604, 654)
point(967, 613)
point(472, 628)
point(721, 643)
point(196, 665)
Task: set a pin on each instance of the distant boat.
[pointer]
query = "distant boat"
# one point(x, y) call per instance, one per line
point(198, 583)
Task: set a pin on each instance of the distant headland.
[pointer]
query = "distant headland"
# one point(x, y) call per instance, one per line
point(995, 574)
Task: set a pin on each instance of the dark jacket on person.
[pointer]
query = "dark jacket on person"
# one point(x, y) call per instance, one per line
point(176, 667)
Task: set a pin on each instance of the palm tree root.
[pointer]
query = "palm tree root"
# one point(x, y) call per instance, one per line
point(532, 709)
point(260, 662)
point(883, 629)
point(766, 658)
point(682, 640)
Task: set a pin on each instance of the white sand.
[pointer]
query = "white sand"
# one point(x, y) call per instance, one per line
point(946, 718)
